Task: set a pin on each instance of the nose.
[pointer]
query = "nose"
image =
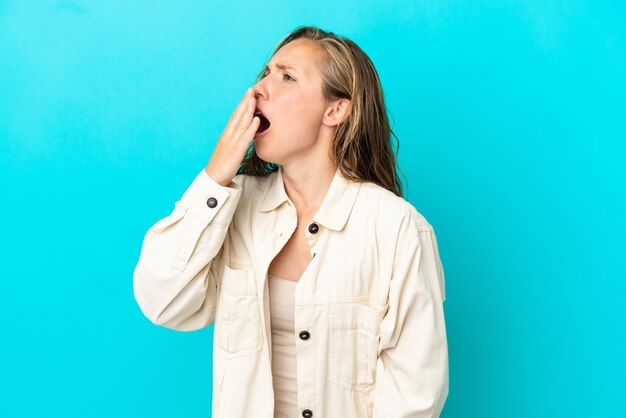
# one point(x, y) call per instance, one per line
point(259, 91)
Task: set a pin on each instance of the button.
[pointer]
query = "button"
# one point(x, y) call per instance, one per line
point(304, 335)
point(212, 202)
point(307, 413)
point(313, 228)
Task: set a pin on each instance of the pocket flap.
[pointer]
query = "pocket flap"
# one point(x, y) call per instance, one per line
point(356, 316)
point(239, 282)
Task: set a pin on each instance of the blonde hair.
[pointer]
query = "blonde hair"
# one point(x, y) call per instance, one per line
point(361, 145)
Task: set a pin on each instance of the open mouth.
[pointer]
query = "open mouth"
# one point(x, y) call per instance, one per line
point(265, 123)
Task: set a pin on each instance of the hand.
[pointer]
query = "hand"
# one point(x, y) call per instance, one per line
point(233, 143)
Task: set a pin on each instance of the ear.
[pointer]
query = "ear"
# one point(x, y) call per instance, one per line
point(337, 111)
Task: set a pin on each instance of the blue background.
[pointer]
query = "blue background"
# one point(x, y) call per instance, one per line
point(511, 118)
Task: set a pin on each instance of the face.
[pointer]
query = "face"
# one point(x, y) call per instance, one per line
point(291, 99)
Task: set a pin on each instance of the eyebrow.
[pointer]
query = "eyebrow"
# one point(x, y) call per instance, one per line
point(282, 67)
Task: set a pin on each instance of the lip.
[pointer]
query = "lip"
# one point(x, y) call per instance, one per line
point(257, 109)
point(256, 135)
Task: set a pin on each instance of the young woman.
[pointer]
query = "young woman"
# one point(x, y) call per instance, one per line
point(324, 284)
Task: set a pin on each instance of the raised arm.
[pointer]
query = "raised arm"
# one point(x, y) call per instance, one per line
point(180, 264)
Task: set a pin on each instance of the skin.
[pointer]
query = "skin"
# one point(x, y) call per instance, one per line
point(299, 139)
point(302, 124)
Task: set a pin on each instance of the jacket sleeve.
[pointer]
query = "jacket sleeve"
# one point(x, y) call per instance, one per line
point(412, 365)
point(180, 263)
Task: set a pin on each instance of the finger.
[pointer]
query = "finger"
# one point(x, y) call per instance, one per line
point(251, 131)
point(242, 121)
point(245, 118)
point(233, 121)
point(242, 103)
point(240, 110)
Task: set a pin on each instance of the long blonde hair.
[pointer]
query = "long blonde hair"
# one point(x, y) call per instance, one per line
point(361, 146)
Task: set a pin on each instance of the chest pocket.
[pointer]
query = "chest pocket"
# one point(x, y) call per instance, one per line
point(237, 321)
point(354, 334)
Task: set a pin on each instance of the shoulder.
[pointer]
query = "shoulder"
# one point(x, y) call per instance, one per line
point(391, 209)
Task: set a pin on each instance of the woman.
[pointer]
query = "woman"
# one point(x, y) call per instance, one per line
point(324, 284)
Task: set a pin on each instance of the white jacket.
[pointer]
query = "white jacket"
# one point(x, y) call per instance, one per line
point(370, 332)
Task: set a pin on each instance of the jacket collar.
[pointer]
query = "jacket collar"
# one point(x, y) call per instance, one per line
point(335, 208)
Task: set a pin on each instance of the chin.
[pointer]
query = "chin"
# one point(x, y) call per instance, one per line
point(261, 150)
point(267, 154)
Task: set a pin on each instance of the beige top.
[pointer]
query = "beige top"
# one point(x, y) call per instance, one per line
point(284, 374)
point(369, 333)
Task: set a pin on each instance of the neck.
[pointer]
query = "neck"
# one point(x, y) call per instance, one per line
point(307, 185)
